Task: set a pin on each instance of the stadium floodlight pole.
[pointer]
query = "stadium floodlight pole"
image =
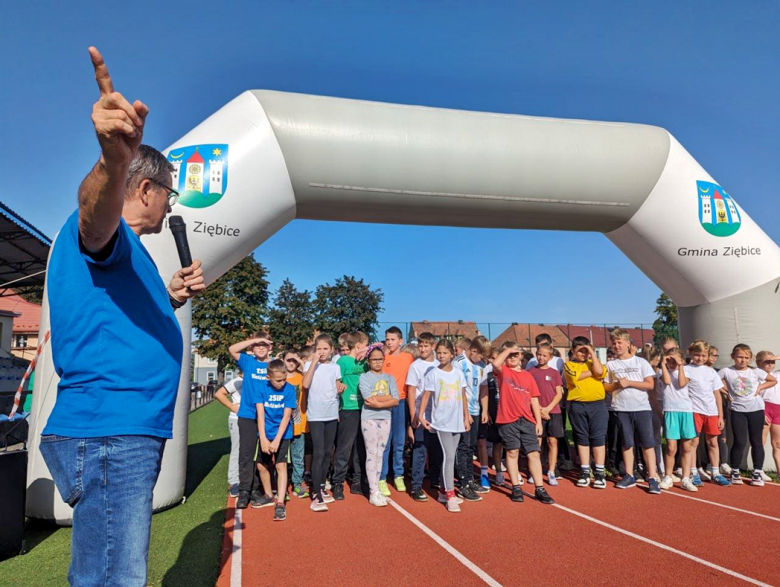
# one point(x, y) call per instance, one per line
point(269, 157)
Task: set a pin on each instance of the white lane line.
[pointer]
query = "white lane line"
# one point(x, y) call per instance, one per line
point(446, 546)
point(664, 547)
point(235, 562)
point(720, 505)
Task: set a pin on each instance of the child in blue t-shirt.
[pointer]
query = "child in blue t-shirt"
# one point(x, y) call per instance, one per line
point(254, 367)
point(275, 405)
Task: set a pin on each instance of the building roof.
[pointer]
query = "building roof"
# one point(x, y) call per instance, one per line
point(23, 252)
point(525, 335)
point(459, 329)
point(599, 335)
point(29, 314)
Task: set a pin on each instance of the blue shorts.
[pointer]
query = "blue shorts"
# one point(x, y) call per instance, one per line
point(679, 426)
point(637, 425)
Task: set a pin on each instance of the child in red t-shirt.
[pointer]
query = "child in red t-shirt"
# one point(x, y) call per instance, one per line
point(519, 419)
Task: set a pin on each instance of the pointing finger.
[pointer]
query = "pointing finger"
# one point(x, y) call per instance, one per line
point(101, 72)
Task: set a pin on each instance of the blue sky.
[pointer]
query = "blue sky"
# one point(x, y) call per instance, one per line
point(706, 72)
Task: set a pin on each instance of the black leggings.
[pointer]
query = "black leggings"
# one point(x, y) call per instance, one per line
point(322, 436)
point(750, 425)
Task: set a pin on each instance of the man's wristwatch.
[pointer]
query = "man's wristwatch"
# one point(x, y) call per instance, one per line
point(176, 303)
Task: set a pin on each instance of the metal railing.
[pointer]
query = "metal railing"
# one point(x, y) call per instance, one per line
point(202, 395)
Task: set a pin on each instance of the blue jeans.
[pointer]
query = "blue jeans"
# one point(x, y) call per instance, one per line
point(395, 442)
point(108, 482)
point(297, 451)
point(426, 447)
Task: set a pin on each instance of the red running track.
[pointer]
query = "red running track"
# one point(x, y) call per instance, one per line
point(506, 543)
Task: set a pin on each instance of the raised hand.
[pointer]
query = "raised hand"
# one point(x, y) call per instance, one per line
point(187, 282)
point(118, 124)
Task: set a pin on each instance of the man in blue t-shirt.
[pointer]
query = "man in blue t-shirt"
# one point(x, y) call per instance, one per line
point(254, 366)
point(116, 347)
point(274, 424)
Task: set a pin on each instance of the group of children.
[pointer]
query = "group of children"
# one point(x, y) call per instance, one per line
point(353, 414)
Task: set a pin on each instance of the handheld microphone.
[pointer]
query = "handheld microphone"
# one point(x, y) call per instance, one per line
point(179, 230)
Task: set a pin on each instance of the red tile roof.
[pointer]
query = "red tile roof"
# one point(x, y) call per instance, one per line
point(30, 318)
point(525, 335)
point(460, 329)
point(599, 335)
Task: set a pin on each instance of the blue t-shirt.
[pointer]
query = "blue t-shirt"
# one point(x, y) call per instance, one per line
point(472, 373)
point(255, 377)
point(115, 340)
point(274, 402)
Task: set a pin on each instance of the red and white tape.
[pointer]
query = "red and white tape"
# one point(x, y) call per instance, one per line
point(30, 369)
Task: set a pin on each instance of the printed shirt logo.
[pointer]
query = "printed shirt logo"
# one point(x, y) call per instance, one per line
point(200, 174)
point(718, 213)
point(742, 386)
point(381, 388)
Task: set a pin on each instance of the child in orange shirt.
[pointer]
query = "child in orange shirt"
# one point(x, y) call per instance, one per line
point(292, 362)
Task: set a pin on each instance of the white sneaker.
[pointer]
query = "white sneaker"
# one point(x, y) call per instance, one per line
point(520, 481)
point(765, 477)
point(503, 467)
point(531, 479)
point(678, 472)
point(318, 506)
point(377, 499)
point(443, 498)
point(327, 497)
point(688, 485)
point(666, 482)
point(757, 479)
point(327, 485)
point(452, 505)
point(725, 469)
point(705, 476)
point(675, 478)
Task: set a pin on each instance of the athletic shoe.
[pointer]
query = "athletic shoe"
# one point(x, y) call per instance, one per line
point(452, 505)
point(517, 495)
point(384, 489)
point(356, 488)
point(541, 495)
point(599, 481)
point(567, 466)
point(704, 475)
point(280, 513)
point(531, 479)
point(338, 492)
point(400, 485)
point(766, 477)
point(626, 482)
point(688, 485)
point(639, 476)
point(725, 469)
point(756, 480)
point(721, 480)
point(243, 501)
point(318, 506)
point(676, 479)
point(584, 479)
point(499, 480)
point(479, 488)
point(520, 480)
point(551, 479)
point(654, 488)
point(443, 498)
point(484, 481)
point(467, 493)
point(261, 501)
point(473, 457)
point(666, 482)
point(613, 472)
point(327, 485)
point(736, 478)
point(299, 491)
point(503, 467)
point(418, 494)
point(233, 491)
point(696, 480)
point(307, 476)
point(377, 499)
point(327, 497)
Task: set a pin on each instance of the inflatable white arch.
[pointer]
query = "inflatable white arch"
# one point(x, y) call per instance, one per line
point(269, 157)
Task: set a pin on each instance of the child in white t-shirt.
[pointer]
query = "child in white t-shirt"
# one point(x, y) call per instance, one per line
point(745, 384)
point(766, 360)
point(446, 387)
point(232, 389)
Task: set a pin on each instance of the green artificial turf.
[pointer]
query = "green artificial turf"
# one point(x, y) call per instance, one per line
point(186, 539)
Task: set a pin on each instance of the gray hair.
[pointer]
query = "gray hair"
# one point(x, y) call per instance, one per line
point(148, 163)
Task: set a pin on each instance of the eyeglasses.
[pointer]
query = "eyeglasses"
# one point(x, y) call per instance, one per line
point(173, 195)
point(377, 359)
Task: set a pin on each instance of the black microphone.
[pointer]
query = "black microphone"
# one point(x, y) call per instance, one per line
point(179, 230)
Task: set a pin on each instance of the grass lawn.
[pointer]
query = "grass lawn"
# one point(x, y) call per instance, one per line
point(186, 539)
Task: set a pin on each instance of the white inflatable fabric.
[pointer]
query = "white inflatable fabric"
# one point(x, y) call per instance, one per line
point(269, 157)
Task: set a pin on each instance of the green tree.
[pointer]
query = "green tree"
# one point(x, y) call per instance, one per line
point(291, 320)
point(230, 310)
point(665, 326)
point(347, 305)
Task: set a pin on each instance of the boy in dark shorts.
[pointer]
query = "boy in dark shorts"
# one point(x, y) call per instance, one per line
point(587, 409)
point(550, 385)
point(519, 419)
point(275, 405)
